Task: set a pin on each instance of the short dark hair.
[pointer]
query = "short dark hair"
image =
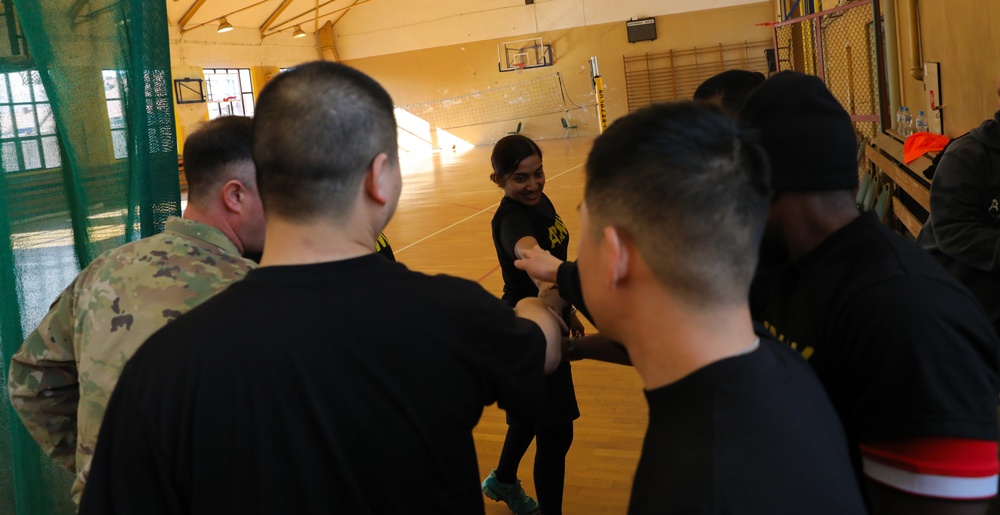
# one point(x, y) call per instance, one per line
point(211, 148)
point(732, 85)
point(508, 154)
point(317, 129)
point(686, 183)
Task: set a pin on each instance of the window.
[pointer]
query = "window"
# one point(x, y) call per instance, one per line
point(116, 112)
point(157, 99)
point(230, 92)
point(27, 128)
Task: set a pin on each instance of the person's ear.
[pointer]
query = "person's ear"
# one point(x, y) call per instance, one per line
point(617, 256)
point(234, 195)
point(378, 183)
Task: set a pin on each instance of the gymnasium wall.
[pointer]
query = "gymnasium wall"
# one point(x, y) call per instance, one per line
point(203, 48)
point(380, 28)
point(962, 36)
point(423, 74)
point(460, 69)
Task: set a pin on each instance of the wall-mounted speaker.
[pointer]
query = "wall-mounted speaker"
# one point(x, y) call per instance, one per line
point(641, 30)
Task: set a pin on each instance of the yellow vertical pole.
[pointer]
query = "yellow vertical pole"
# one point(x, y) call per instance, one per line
point(602, 113)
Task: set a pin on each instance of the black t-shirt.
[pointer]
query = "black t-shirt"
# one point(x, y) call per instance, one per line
point(902, 349)
point(749, 434)
point(330, 388)
point(514, 221)
point(511, 222)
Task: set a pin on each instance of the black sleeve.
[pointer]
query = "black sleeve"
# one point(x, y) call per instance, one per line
point(515, 360)
point(129, 473)
point(568, 279)
point(960, 202)
point(513, 227)
point(921, 359)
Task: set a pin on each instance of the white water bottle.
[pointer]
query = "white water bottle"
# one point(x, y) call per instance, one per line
point(920, 124)
point(899, 122)
point(907, 122)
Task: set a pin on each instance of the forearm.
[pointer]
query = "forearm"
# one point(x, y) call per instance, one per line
point(596, 347)
point(972, 243)
point(532, 308)
point(43, 383)
point(568, 279)
point(46, 397)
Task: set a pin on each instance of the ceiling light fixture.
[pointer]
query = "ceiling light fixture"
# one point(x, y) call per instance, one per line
point(298, 32)
point(224, 26)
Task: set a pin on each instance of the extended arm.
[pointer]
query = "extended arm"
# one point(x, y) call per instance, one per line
point(597, 347)
point(532, 308)
point(543, 266)
point(526, 247)
point(43, 384)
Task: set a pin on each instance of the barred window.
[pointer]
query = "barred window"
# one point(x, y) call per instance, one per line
point(158, 101)
point(230, 92)
point(27, 128)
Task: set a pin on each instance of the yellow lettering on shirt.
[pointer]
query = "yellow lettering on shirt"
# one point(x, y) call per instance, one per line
point(557, 233)
point(806, 351)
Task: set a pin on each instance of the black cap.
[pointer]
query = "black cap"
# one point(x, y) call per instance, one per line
point(806, 132)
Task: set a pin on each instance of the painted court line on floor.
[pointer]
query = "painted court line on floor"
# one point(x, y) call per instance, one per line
point(470, 217)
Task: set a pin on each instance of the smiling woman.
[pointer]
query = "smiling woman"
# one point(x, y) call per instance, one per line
point(527, 218)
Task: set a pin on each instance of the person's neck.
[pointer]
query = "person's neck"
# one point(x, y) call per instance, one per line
point(212, 218)
point(814, 220)
point(668, 340)
point(318, 241)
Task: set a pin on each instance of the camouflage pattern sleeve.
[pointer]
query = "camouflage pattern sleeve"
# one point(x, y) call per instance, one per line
point(43, 382)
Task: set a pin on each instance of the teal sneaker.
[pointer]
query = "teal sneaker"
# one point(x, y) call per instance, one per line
point(518, 501)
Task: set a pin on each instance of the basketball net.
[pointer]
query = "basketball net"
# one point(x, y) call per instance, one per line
point(518, 67)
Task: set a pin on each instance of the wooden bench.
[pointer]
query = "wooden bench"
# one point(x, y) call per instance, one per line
point(886, 154)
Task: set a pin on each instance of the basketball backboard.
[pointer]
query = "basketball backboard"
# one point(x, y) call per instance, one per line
point(523, 54)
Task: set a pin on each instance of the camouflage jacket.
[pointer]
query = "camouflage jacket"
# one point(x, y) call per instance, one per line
point(63, 375)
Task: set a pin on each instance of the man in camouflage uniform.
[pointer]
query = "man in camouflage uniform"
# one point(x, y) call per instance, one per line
point(63, 375)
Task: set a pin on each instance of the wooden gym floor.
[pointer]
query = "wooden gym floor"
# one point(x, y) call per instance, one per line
point(442, 225)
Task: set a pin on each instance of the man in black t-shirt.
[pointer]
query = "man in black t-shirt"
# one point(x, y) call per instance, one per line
point(675, 204)
point(289, 393)
point(905, 353)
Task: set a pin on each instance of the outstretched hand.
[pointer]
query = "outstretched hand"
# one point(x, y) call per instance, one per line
point(540, 264)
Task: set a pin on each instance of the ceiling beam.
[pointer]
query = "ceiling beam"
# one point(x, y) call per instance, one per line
point(213, 20)
point(342, 14)
point(292, 21)
point(190, 14)
point(274, 16)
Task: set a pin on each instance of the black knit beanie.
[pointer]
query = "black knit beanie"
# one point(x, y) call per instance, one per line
point(806, 132)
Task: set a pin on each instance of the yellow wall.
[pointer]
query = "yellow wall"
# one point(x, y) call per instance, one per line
point(963, 36)
point(382, 28)
point(455, 70)
point(241, 48)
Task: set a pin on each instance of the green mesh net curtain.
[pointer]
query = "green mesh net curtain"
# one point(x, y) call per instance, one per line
point(88, 161)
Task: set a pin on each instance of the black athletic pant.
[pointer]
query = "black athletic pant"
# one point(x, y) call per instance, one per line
point(552, 442)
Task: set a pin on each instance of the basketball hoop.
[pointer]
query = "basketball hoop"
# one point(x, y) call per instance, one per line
point(519, 67)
